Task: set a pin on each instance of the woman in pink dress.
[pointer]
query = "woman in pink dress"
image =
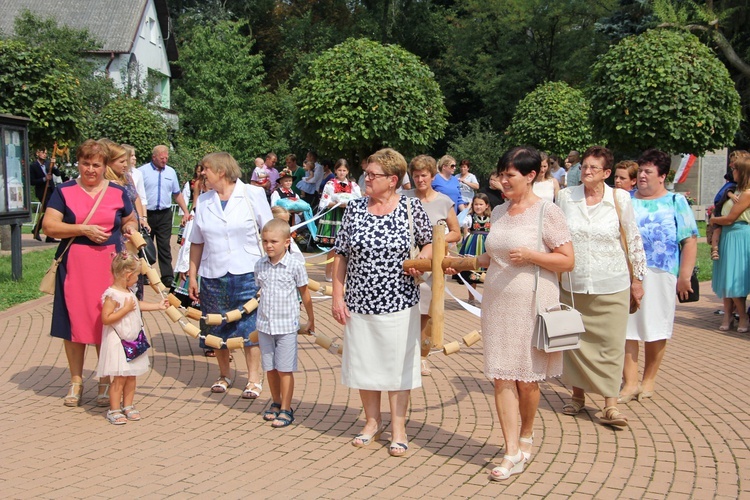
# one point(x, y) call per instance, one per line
point(513, 255)
point(83, 274)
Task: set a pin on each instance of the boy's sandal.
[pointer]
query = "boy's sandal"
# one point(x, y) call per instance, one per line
point(714, 253)
point(272, 412)
point(131, 413)
point(209, 353)
point(398, 449)
point(612, 416)
point(574, 407)
point(252, 390)
point(285, 417)
point(102, 399)
point(221, 385)
point(73, 398)
point(116, 417)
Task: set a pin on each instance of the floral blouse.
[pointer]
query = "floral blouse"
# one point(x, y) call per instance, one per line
point(376, 247)
point(664, 222)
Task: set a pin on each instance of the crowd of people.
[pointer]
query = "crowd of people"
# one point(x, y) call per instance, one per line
point(544, 235)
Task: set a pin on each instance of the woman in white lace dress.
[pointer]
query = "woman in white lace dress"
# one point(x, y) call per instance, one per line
point(512, 256)
point(601, 283)
point(546, 186)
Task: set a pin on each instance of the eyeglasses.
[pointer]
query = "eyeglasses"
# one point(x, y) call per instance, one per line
point(452, 165)
point(373, 175)
point(591, 169)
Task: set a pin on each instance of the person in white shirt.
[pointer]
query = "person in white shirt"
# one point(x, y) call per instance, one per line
point(600, 283)
point(225, 245)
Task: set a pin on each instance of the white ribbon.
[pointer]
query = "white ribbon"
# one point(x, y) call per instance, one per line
point(294, 228)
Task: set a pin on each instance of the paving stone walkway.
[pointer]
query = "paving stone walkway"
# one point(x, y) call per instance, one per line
point(689, 441)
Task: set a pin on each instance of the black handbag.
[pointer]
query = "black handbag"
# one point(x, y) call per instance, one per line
point(150, 249)
point(695, 295)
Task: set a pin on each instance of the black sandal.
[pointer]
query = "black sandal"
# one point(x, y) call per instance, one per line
point(270, 414)
point(285, 418)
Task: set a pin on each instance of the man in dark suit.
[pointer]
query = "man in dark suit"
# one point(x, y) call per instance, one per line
point(40, 173)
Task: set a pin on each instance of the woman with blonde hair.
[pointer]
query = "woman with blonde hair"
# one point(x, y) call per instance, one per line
point(444, 182)
point(379, 309)
point(225, 244)
point(731, 272)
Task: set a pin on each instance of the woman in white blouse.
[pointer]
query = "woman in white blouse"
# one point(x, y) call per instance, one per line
point(224, 249)
point(601, 283)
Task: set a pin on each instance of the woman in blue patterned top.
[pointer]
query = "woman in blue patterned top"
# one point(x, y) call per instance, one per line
point(669, 235)
point(380, 310)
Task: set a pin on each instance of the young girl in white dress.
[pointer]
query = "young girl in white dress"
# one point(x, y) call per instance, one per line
point(121, 320)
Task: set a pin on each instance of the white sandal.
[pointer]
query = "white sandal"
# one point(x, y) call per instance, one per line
point(501, 473)
point(102, 399)
point(221, 385)
point(252, 390)
point(527, 440)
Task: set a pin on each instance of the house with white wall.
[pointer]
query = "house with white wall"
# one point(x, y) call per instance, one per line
point(136, 36)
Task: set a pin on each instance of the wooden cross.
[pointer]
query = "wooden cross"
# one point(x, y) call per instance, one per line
point(438, 265)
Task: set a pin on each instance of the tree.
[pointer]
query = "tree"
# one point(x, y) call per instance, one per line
point(35, 85)
point(479, 143)
point(663, 89)
point(220, 96)
point(130, 121)
point(553, 117)
point(361, 95)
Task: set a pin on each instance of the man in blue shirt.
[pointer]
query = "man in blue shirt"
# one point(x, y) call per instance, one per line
point(161, 183)
point(574, 174)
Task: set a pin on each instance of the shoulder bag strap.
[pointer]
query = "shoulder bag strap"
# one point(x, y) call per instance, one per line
point(411, 224)
point(86, 220)
point(536, 277)
point(255, 222)
point(623, 239)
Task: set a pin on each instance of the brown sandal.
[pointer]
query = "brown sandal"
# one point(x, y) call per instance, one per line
point(574, 407)
point(714, 253)
point(612, 416)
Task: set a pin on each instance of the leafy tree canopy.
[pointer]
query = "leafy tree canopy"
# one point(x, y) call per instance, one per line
point(554, 117)
point(361, 95)
point(220, 96)
point(130, 121)
point(480, 144)
point(663, 89)
point(36, 85)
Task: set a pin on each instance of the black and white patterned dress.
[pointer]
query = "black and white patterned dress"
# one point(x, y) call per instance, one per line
point(381, 338)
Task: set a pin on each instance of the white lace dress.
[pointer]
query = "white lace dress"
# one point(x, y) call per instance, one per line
point(508, 313)
point(112, 361)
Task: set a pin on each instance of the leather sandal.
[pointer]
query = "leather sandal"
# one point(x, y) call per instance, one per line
point(271, 413)
point(574, 407)
point(364, 440)
point(102, 399)
point(116, 417)
point(131, 413)
point(221, 385)
point(501, 473)
point(398, 449)
point(285, 418)
point(252, 390)
point(612, 416)
point(714, 253)
point(527, 440)
point(73, 398)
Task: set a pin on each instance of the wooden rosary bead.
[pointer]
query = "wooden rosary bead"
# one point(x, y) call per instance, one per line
point(214, 319)
point(191, 329)
point(174, 301)
point(313, 285)
point(472, 338)
point(250, 306)
point(193, 313)
point(233, 316)
point(153, 276)
point(235, 343)
point(174, 314)
point(144, 266)
point(137, 240)
point(451, 348)
point(323, 340)
point(213, 341)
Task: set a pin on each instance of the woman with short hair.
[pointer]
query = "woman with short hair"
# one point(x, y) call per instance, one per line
point(225, 244)
point(379, 309)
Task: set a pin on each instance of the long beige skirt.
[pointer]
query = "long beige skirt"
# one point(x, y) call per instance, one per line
point(381, 351)
point(597, 366)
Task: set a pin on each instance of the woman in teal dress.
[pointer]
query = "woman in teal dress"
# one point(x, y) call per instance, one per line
point(731, 273)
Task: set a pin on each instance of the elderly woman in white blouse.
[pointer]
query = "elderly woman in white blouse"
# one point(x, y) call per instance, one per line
point(225, 245)
point(601, 283)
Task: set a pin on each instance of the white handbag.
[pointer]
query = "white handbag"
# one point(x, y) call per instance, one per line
point(559, 327)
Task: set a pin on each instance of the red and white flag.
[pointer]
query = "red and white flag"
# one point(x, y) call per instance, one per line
point(684, 169)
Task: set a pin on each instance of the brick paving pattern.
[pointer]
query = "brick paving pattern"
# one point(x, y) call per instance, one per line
point(689, 441)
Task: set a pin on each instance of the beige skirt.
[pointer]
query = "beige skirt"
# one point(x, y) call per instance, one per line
point(597, 366)
point(381, 351)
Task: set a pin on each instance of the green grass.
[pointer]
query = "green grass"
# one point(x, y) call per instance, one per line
point(35, 264)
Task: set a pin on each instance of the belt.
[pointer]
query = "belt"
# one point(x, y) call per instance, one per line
point(159, 210)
